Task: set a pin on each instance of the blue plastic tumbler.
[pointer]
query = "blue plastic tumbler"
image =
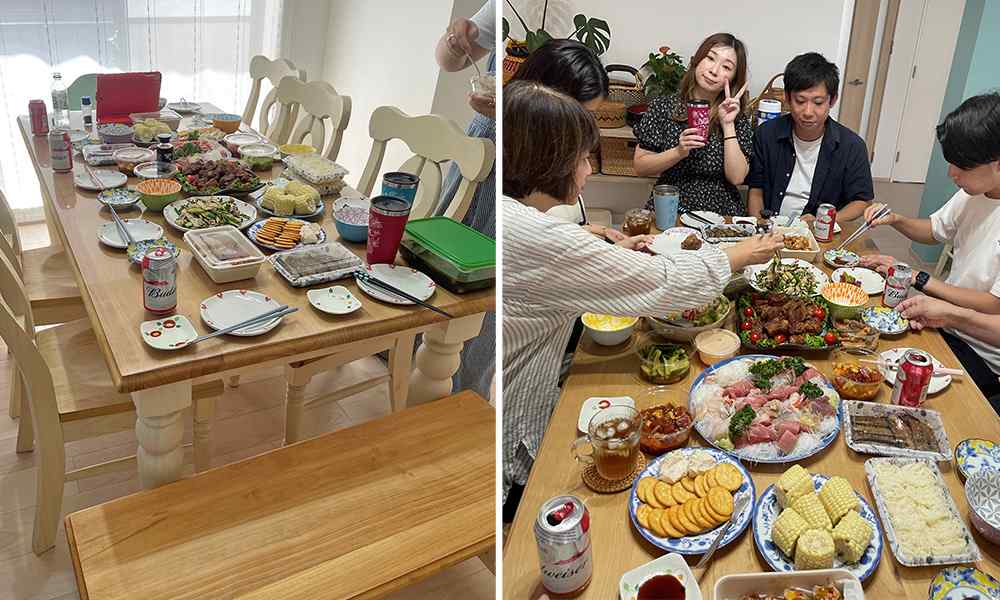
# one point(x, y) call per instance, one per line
point(665, 201)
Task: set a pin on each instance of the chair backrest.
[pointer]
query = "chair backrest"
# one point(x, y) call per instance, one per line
point(319, 102)
point(261, 68)
point(433, 140)
point(10, 239)
point(84, 85)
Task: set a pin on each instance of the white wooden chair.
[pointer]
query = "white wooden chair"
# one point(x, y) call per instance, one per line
point(69, 396)
point(433, 140)
point(947, 253)
point(319, 103)
point(49, 282)
point(261, 68)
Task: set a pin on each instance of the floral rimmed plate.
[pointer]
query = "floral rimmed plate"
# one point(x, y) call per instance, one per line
point(233, 306)
point(895, 356)
point(886, 320)
point(168, 333)
point(334, 300)
point(119, 197)
point(974, 455)
point(963, 583)
point(668, 564)
point(409, 280)
point(106, 179)
point(140, 230)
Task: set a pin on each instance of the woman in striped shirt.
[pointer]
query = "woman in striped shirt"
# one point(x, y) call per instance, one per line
point(554, 271)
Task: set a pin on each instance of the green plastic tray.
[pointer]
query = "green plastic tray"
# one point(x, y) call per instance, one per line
point(460, 244)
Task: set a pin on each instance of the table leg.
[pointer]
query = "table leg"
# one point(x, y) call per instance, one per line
point(160, 430)
point(438, 358)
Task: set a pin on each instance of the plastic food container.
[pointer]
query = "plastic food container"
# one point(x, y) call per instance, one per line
point(157, 193)
point(234, 141)
point(455, 255)
point(607, 330)
point(166, 116)
point(128, 158)
point(115, 133)
point(654, 368)
point(225, 253)
point(657, 421)
point(715, 345)
point(258, 155)
point(810, 253)
point(102, 155)
point(154, 170)
point(736, 587)
point(853, 379)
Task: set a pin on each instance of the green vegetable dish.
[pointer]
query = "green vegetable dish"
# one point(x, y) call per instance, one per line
point(699, 317)
point(663, 363)
point(209, 212)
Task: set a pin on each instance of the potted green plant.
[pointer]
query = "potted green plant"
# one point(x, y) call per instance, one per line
point(663, 73)
point(594, 33)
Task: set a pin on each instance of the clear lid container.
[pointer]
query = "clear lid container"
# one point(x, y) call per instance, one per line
point(154, 169)
point(223, 247)
point(171, 118)
point(133, 154)
point(316, 169)
point(102, 154)
point(258, 150)
point(240, 139)
point(310, 265)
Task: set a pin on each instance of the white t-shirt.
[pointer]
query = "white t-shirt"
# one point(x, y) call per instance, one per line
point(486, 21)
point(800, 184)
point(972, 225)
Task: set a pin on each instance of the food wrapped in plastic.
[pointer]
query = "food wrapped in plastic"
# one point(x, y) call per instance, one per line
point(310, 265)
point(316, 169)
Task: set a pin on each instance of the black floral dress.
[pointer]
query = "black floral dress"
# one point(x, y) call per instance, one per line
point(701, 177)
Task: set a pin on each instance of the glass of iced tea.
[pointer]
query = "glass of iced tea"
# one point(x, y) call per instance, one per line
point(613, 434)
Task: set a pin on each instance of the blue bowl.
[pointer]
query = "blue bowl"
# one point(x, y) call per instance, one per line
point(348, 231)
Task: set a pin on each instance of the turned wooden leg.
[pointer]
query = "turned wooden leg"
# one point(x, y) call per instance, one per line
point(400, 358)
point(204, 411)
point(296, 381)
point(234, 381)
point(438, 358)
point(160, 430)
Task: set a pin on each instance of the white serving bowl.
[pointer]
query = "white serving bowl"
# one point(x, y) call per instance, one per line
point(982, 490)
point(609, 337)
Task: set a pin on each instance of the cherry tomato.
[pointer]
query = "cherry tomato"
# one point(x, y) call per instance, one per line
point(819, 313)
point(746, 325)
point(780, 338)
point(755, 337)
point(748, 312)
point(830, 338)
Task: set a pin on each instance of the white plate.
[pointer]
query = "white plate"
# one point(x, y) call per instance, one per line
point(708, 215)
point(669, 241)
point(668, 564)
point(119, 197)
point(334, 300)
point(830, 256)
point(172, 211)
point(139, 229)
point(894, 355)
point(750, 272)
point(591, 406)
point(108, 179)
point(184, 108)
point(786, 221)
point(409, 280)
point(871, 282)
point(168, 333)
point(256, 227)
point(232, 306)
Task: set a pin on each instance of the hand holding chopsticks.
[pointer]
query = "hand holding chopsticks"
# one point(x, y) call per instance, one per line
point(882, 212)
point(371, 280)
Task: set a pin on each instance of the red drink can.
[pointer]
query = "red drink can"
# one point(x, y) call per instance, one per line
point(913, 377)
point(699, 112)
point(562, 531)
point(159, 281)
point(39, 117)
point(826, 218)
point(60, 151)
point(386, 222)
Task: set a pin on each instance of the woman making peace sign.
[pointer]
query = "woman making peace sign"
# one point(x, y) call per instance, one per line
point(705, 171)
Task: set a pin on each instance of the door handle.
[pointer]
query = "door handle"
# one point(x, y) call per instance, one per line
point(855, 81)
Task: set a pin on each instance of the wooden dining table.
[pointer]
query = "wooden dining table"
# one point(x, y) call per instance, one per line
point(160, 381)
point(618, 548)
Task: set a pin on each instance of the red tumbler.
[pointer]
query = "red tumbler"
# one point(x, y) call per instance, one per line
point(386, 222)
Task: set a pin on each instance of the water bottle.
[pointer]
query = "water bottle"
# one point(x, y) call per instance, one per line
point(87, 107)
point(60, 102)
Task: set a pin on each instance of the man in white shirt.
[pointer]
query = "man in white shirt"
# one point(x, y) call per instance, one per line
point(970, 141)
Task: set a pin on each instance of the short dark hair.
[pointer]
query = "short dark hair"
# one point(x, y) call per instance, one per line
point(545, 135)
point(970, 134)
point(808, 70)
point(566, 66)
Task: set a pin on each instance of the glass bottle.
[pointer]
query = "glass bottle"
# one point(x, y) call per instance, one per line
point(60, 102)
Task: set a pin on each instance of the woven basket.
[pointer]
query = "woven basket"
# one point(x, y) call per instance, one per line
point(770, 92)
point(617, 155)
point(595, 161)
point(626, 92)
point(609, 115)
point(511, 62)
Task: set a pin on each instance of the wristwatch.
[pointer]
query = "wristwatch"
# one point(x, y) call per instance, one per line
point(921, 280)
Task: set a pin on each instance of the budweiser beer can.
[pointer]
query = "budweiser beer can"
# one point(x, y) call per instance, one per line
point(60, 151)
point(159, 281)
point(39, 117)
point(562, 531)
point(826, 218)
point(897, 284)
point(913, 377)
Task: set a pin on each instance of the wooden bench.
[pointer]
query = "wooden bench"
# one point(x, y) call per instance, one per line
point(356, 513)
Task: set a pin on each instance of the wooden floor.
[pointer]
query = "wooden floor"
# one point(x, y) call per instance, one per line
point(248, 422)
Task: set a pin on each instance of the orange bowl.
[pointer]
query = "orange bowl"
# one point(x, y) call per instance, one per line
point(846, 300)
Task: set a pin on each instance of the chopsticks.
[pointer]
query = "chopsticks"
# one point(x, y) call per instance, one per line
point(894, 366)
point(369, 279)
point(122, 229)
point(737, 509)
point(277, 313)
point(697, 217)
point(864, 228)
point(93, 177)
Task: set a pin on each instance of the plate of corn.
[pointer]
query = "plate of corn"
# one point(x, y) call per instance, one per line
point(810, 521)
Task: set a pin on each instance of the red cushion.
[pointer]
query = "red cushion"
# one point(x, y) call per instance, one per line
point(119, 94)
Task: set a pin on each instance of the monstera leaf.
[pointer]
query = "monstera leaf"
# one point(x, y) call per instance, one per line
point(537, 39)
point(594, 33)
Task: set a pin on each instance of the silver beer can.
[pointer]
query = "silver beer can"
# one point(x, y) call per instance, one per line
point(562, 530)
point(159, 281)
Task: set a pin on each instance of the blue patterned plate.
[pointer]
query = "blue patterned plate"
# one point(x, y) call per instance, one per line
point(974, 455)
point(695, 544)
point(768, 510)
point(740, 453)
point(139, 249)
point(118, 197)
point(963, 583)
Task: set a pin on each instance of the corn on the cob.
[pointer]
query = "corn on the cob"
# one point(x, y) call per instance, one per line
point(814, 550)
point(786, 530)
point(838, 498)
point(795, 482)
point(851, 536)
point(812, 511)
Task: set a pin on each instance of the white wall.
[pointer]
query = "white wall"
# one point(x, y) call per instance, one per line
point(304, 35)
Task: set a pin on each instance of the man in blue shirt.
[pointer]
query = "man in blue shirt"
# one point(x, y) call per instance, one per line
point(805, 158)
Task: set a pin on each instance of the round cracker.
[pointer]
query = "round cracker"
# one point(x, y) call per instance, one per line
point(712, 513)
point(668, 525)
point(643, 487)
point(710, 481)
point(642, 515)
point(699, 485)
point(681, 495)
point(729, 477)
point(701, 519)
point(674, 520)
point(654, 523)
point(688, 483)
point(651, 497)
point(721, 501)
point(685, 520)
point(663, 494)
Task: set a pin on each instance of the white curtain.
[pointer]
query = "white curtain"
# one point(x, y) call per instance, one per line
point(202, 48)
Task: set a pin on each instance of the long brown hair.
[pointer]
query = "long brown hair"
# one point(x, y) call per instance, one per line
point(685, 89)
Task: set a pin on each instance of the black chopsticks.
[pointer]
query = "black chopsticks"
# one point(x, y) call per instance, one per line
point(371, 280)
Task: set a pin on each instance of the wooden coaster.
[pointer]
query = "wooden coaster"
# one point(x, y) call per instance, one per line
point(599, 484)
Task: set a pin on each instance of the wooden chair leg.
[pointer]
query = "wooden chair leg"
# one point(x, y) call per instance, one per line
point(400, 360)
point(25, 427)
point(204, 413)
point(234, 381)
point(295, 391)
point(16, 389)
point(51, 477)
point(489, 559)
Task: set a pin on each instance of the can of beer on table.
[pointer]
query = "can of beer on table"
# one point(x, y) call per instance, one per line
point(897, 284)
point(159, 281)
point(562, 530)
point(60, 151)
point(913, 377)
point(39, 117)
point(826, 218)
point(699, 112)
point(400, 185)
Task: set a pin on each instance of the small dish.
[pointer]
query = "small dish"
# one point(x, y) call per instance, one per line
point(406, 279)
point(716, 345)
point(870, 281)
point(841, 258)
point(894, 355)
point(168, 333)
point(185, 108)
point(592, 406)
point(608, 330)
point(293, 149)
point(334, 300)
point(886, 320)
point(963, 583)
point(233, 306)
point(107, 180)
point(140, 229)
point(350, 216)
point(982, 491)
point(139, 249)
point(119, 197)
point(670, 240)
point(154, 170)
point(668, 564)
point(975, 455)
point(227, 122)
